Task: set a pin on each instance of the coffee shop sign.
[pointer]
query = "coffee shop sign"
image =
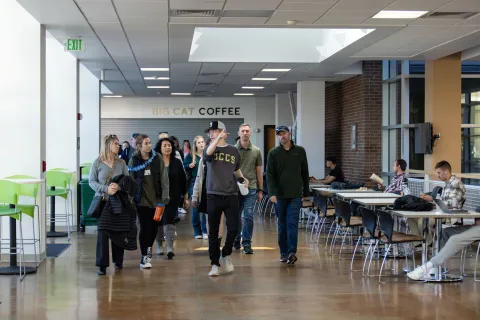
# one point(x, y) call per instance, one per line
point(202, 111)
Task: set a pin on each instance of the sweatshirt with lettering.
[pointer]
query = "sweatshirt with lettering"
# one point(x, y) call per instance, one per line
point(221, 166)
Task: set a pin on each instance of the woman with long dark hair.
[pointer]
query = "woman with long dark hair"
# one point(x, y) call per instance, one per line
point(178, 190)
point(148, 169)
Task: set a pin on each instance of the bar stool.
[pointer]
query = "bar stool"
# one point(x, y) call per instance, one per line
point(57, 186)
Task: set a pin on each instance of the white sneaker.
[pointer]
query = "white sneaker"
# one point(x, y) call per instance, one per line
point(214, 272)
point(198, 237)
point(420, 273)
point(226, 263)
point(144, 264)
point(205, 236)
point(181, 210)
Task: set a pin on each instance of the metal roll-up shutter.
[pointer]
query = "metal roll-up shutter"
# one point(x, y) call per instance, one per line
point(183, 129)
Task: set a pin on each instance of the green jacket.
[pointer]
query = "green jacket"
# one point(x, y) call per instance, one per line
point(287, 172)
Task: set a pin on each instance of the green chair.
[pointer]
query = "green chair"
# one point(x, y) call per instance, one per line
point(61, 181)
point(85, 171)
point(9, 196)
point(31, 191)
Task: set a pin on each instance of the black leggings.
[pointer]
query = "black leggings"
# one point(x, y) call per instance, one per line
point(148, 228)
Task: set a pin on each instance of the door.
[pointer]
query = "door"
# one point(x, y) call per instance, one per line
point(269, 142)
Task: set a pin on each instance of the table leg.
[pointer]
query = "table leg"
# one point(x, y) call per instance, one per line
point(52, 233)
point(13, 268)
point(439, 277)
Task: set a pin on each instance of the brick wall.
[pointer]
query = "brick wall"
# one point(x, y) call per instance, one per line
point(357, 100)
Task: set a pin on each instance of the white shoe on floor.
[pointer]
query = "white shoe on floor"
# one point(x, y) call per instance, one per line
point(420, 273)
point(144, 264)
point(198, 237)
point(181, 210)
point(205, 236)
point(226, 263)
point(214, 272)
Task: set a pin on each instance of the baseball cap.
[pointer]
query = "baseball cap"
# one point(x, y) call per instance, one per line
point(281, 129)
point(134, 135)
point(214, 125)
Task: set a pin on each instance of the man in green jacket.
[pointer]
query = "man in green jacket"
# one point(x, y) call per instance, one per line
point(287, 180)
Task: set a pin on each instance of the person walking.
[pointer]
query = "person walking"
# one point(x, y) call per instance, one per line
point(177, 190)
point(251, 167)
point(288, 181)
point(148, 169)
point(191, 165)
point(223, 165)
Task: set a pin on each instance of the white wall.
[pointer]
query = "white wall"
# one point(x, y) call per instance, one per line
point(283, 112)
point(90, 110)
point(256, 111)
point(61, 98)
point(21, 107)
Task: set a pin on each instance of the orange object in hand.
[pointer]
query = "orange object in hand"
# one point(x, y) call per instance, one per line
point(158, 212)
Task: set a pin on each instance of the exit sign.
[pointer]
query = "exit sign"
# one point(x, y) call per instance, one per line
point(75, 44)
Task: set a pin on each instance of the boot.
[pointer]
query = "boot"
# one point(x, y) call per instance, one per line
point(169, 231)
point(160, 248)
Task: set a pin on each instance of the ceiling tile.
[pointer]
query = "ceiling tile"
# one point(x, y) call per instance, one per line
point(307, 5)
point(434, 22)
point(375, 5)
point(425, 5)
point(223, 68)
point(302, 17)
point(473, 21)
point(233, 79)
point(387, 22)
point(98, 11)
point(461, 6)
point(196, 4)
point(350, 14)
point(186, 68)
point(328, 20)
point(252, 4)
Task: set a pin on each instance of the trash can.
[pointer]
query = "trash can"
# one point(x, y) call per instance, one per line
point(87, 195)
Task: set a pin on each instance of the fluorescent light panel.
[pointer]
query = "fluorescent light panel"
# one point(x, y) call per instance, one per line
point(243, 94)
point(112, 96)
point(154, 69)
point(180, 94)
point(156, 78)
point(276, 70)
point(158, 87)
point(397, 14)
point(253, 88)
point(264, 79)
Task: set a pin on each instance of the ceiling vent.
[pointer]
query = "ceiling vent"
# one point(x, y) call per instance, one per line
point(207, 84)
point(211, 74)
point(195, 13)
point(451, 15)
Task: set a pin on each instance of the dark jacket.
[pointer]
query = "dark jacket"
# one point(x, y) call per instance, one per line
point(126, 154)
point(178, 188)
point(118, 219)
point(160, 177)
point(412, 203)
point(287, 172)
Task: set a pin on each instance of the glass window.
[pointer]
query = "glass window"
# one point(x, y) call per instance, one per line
point(395, 103)
point(417, 100)
point(415, 161)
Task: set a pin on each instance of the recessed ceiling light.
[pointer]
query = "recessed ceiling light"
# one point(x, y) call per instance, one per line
point(243, 94)
point(264, 79)
point(254, 88)
point(156, 78)
point(276, 70)
point(158, 87)
point(154, 69)
point(112, 96)
point(180, 94)
point(395, 14)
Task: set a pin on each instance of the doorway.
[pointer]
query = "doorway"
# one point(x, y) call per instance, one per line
point(269, 141)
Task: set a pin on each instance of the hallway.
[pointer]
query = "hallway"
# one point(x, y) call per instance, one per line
point(319, 286)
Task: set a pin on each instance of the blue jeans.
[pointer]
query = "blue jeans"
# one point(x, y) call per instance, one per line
point(246, 205)
point(288, 213)
point(199, 227)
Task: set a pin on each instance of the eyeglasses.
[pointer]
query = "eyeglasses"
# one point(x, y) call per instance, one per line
point(112, 136)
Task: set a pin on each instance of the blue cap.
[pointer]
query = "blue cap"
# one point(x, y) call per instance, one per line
point(281, 129)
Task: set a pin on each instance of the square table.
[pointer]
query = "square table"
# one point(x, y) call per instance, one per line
point(378, 195)
point(328, 192)
point(438, 216)
point(375, 202)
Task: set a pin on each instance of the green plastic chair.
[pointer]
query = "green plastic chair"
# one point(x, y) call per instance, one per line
point(30, 190)
point(9, 196)
point(61, 181)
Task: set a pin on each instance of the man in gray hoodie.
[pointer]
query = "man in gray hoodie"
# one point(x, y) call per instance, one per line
point(223, 166)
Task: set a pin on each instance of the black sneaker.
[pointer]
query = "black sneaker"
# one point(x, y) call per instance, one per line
point(102, 271)
point(283, 258)
point(118, 266)
point(292, 258)
point(248, 250)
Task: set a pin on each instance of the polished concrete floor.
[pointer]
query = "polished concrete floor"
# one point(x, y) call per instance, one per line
point(319, 286)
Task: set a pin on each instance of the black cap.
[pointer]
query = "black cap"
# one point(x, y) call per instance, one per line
point(214, 125)
point(281, 129)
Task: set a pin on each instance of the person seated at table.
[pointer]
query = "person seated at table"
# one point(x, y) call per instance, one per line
point(335, 174)
point(454, 244)
point(399, 167)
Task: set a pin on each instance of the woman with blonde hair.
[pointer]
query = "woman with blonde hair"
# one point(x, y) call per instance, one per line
point(191, 165)
point(104, 168)
point(148, 169)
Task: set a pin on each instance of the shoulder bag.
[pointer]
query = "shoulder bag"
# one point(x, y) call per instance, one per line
point(98, 202)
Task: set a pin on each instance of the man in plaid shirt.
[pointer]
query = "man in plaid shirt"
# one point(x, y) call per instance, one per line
point(454, 192)
point(399, 167)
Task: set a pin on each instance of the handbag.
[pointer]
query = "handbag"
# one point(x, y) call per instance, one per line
point(98, 202)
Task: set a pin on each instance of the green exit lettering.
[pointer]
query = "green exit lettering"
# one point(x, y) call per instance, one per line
point(74, 45)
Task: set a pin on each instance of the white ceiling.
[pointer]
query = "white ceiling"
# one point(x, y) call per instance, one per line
point(123, 35)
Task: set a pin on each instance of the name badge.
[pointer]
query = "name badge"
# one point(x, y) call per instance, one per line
point(147, 172)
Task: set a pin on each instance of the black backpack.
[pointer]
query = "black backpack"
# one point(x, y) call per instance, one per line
point(412, 203)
